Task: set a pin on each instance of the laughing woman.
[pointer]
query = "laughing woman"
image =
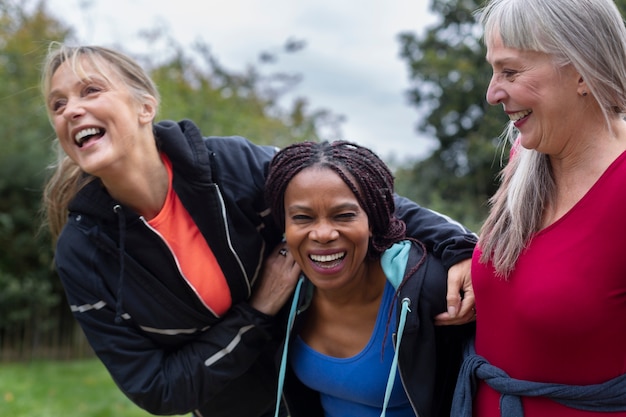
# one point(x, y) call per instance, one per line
point(549, 271)
point(370, 296)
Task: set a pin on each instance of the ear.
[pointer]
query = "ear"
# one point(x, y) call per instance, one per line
point(147, 110)
point(583, 88)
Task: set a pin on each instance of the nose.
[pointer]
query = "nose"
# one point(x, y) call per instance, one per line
point(73, 109)
point(324, 232)
point(495, 91)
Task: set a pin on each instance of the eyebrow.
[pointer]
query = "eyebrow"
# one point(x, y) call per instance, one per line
point(499, 61)
point(339, 207)
point(56, 92)
point(80, 82)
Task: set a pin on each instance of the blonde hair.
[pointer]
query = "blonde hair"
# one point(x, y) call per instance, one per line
point(588, 34)
point(67, 177)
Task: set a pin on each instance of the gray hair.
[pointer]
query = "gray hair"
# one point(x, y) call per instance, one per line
point(591, 36)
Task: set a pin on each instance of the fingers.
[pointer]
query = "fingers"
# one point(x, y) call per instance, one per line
point(468, 303)
point(277, 282)
point(460, 296)
point(453, 299)
point(459, 279)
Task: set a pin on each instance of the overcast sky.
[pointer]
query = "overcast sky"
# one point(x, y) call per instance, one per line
point(350, 64)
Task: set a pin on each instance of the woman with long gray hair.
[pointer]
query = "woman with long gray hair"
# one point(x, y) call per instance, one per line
point(549, 272)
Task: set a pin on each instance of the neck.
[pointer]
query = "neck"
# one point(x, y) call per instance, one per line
point(142, 188)
point(366, 287)
point(578, 169)
point(589, 155)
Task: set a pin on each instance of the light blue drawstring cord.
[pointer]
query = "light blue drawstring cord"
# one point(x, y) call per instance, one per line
point(394, 364)
point(283, 361)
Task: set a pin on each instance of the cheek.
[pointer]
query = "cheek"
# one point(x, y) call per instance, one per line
point(292, 238)
point(363, 241)
point(62, 134)
point(59, 125)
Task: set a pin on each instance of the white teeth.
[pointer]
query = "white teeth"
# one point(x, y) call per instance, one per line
point(520, 114)
point(86, 132)
point(328, 258)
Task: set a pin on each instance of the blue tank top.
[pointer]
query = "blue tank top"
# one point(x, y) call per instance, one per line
point(355, 386)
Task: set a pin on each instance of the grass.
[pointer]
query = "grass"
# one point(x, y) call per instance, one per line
point(80, 388)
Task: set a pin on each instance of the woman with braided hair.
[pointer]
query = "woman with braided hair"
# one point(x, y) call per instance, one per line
point(364, 286)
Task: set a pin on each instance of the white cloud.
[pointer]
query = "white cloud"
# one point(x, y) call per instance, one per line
point(349, 66)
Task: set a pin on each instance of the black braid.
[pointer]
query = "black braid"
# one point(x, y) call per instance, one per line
point(362, 170)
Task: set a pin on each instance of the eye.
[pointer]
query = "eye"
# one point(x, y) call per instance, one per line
point(348, 216)
point(91, 89)
point(57, 105)
point(509, 73)
point(300, 218)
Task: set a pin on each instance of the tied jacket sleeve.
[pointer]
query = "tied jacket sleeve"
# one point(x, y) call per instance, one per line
point(164, 348)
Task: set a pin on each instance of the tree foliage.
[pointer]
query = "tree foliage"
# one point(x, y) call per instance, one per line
point(28, 288)
point(449, 78)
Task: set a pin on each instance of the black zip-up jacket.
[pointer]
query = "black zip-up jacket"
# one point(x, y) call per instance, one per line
point(166, 351)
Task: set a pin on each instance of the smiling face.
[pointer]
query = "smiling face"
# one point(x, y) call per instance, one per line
point(542, 100)
point(326, 229)
point(99, 123)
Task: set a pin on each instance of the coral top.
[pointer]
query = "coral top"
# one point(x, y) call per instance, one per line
point(193, 255)
point(561, 316)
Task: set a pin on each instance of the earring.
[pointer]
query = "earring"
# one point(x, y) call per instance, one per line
point(584, 94)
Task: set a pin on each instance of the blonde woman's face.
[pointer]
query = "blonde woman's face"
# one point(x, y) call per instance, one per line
point(98, 122)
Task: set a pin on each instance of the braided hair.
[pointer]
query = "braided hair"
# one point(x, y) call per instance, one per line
point(362, 170)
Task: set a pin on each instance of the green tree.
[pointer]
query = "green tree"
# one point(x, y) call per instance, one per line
point(449, 78)
point(28, 290)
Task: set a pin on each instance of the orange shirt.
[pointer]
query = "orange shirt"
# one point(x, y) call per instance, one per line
point(194, 256)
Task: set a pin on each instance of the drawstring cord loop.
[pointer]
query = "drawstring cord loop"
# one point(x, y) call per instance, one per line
point(394, 364)
point(283, 361)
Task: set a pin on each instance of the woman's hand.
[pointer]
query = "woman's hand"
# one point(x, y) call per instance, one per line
point(277, 282)
point(460, 308)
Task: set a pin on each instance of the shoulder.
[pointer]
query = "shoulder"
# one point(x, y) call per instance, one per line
point(239, 149)
point(424, 265)
point(425, 275)
point(408, 259)
point(187, 147)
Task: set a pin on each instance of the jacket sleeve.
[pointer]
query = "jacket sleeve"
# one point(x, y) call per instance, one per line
point(172, 380)
point(448, 239)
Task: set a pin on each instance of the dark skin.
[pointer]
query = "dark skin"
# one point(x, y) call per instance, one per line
point(342, 327)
